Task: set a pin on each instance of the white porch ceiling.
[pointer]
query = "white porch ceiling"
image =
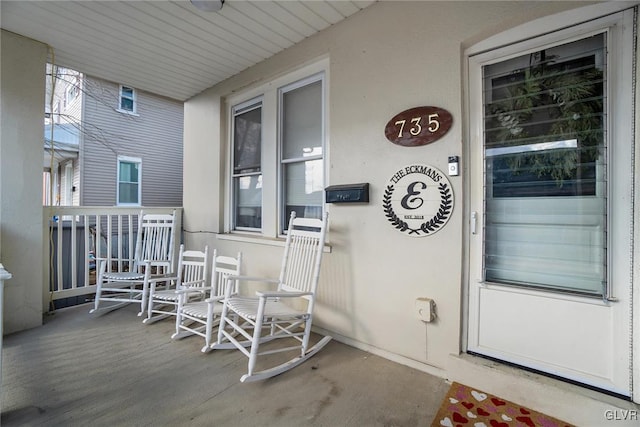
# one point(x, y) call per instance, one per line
point(169, 47)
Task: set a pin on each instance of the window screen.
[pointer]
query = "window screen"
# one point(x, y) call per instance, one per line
point(247, 167)
point(302, 151)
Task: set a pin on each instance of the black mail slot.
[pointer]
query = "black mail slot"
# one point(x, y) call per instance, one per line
point(347, 193)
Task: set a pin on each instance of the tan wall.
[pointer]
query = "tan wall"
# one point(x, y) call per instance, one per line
point(390, 57)
point(22, 127)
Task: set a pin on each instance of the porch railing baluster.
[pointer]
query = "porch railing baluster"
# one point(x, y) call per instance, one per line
point(107, 232)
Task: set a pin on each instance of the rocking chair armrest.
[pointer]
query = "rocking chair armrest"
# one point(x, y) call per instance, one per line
point(149, 263)
point(233, 278)
point(190, 290)
point(253, 279)
point(214, 299)
point(282, 294)
point(162, 277)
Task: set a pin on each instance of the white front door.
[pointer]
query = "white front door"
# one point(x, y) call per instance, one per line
point(551, 181)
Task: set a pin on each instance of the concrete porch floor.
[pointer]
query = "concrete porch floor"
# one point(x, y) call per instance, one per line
point(79, 370)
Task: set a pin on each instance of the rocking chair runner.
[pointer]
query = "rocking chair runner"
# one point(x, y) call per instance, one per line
point(298, 281)
point(200, 317)
point(152, 262)
point(190, 283)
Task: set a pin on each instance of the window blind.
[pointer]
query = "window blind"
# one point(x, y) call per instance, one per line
point(302, 150)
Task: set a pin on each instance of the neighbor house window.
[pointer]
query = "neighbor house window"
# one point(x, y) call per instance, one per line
point(277, 152)
point(127, 99)
point(129, 173)
point(70, 94)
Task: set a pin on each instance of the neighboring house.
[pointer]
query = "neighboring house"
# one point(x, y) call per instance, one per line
point(113, 144)
point(61, 164)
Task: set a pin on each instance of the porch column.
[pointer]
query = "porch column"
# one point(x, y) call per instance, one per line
point(22, 96)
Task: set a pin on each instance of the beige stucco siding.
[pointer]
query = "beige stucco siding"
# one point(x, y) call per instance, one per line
point(389, 57)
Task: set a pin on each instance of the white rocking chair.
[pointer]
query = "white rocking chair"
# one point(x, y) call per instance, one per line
point(190, 283)
point(200, 317)
point(298, 281)
point(152, 262)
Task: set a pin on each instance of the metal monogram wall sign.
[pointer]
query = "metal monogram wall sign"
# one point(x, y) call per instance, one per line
point(418, 126)
point(418, 200)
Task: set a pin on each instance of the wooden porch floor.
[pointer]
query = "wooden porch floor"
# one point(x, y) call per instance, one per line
point(77, 370)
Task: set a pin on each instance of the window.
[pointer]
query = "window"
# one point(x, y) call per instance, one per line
point(127, 99)
point(545, 162)
point(301, 153)
point(70, 94)
point(277, 152)
point(544, 126)
point(247, 167)
point(129, 173)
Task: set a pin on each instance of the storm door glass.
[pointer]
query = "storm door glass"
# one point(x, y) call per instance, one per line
point(545, 168)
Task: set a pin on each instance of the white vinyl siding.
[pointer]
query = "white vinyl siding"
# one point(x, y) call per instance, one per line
point(155, 136)
point(69, 94)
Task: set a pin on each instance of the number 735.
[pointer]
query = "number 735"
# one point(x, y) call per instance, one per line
point(416, 128)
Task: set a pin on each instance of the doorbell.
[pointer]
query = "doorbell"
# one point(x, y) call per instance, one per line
point(454, 168)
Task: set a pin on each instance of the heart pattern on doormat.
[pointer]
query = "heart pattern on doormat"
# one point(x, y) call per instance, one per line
point(464, 406)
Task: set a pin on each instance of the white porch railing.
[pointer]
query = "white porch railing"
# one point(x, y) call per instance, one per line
point(75, 236)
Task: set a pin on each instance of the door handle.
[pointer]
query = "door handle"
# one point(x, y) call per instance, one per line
point(474, 222)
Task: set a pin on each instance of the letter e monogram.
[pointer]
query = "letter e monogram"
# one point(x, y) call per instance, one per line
point(406, 200)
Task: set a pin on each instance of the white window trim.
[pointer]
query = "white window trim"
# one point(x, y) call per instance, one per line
point(129, 160)
point(269, 91)
point(135, 101)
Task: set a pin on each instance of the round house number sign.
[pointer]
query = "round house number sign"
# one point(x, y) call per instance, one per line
point(418, 200)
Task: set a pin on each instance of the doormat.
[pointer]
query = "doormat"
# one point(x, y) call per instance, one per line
point(464, 406)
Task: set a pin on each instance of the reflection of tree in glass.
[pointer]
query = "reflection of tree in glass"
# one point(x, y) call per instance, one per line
point(544, 103)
